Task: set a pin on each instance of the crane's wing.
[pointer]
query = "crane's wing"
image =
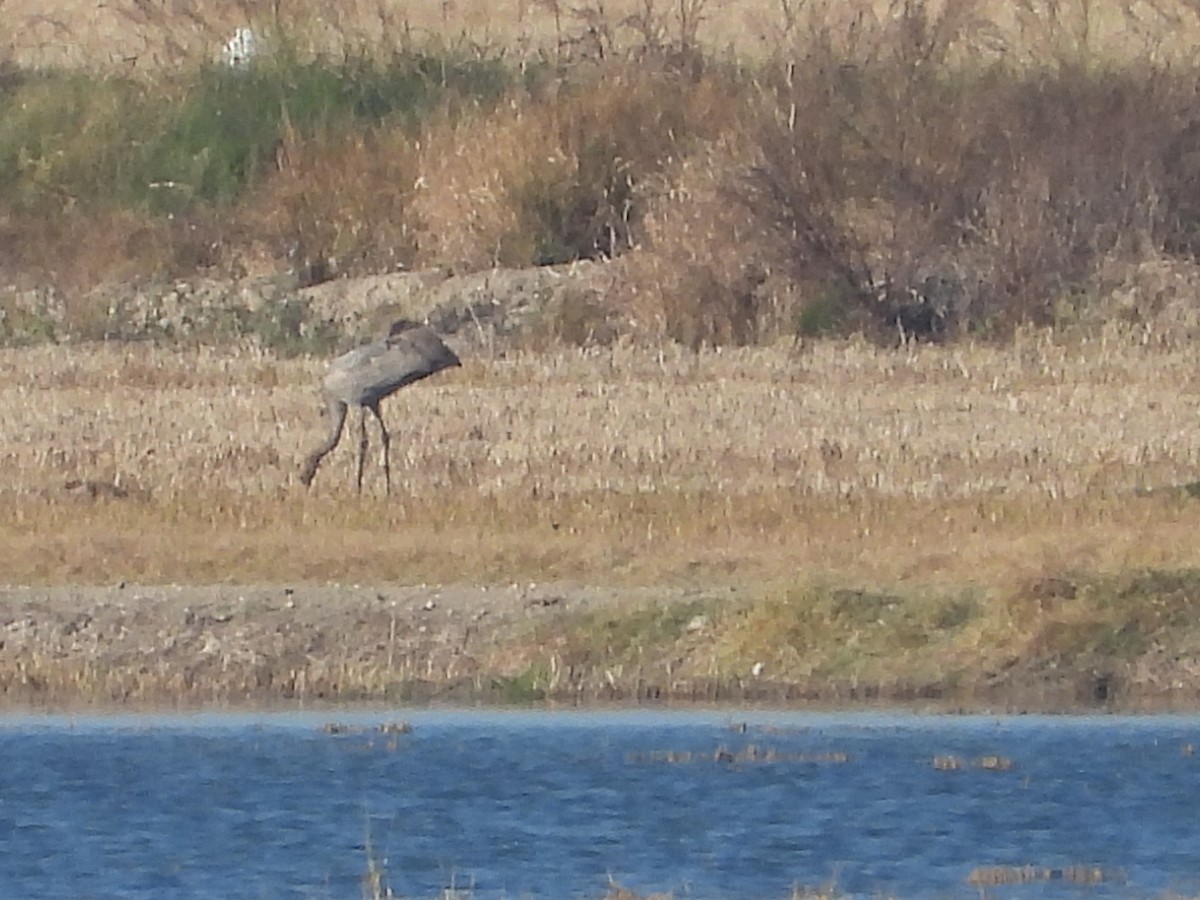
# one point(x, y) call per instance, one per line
point(368, 374)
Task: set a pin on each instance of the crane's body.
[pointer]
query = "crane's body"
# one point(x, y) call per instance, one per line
point(367, 375)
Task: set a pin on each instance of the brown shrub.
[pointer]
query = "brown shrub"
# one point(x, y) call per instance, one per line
point(564, 174)
point(466, 166)
point(921, 197)
point(340, 203)
point(696, 278)
point(107, 245)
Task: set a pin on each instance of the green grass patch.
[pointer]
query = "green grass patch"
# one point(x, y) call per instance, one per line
point(814, 630)
point(529, 686)
point(1117, 619)
point(203, 138)
point(69, 137)
point(915, 642)
point(623, 637)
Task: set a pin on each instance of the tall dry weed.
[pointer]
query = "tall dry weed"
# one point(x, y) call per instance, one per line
point(340, 203)
point(467, 167)
point(697, 276)
point(911, 194)
point(108, 245)
point(564, 173)
point(614, 133)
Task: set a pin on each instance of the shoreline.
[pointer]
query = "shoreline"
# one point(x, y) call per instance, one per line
point(347, 649)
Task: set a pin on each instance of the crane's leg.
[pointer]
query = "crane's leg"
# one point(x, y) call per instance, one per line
point(337, 416)
point(387, 448)
point(362, 445)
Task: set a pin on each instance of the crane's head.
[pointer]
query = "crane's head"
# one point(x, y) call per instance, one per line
point(402, 325)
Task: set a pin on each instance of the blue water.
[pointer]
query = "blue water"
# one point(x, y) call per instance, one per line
point(514, 804)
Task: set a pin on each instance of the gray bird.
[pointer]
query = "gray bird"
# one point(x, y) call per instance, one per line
point(365, 376)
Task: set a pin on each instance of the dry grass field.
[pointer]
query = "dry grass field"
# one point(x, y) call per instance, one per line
point(923, 464)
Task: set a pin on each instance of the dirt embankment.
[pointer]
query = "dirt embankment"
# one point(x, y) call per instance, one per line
point(187, 645)
point(277, 646)
point(491, 309)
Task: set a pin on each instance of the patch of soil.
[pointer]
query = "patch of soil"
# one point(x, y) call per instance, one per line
point(264, 644)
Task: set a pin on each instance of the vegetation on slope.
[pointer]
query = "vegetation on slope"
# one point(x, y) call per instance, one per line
point(900, 169)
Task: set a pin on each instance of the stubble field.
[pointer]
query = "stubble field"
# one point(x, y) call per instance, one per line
point(134, 462)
